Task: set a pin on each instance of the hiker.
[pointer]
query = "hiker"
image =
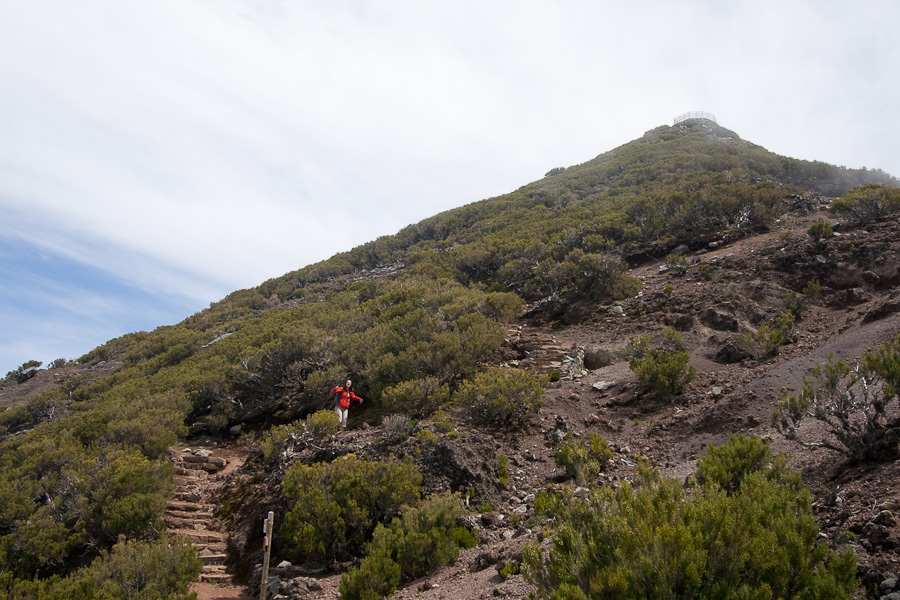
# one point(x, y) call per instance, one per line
point(342, 396)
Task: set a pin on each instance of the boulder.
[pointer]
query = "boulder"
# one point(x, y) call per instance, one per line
point(25, 375)
point(597, 358)
point(719, 321)
point(731, 352)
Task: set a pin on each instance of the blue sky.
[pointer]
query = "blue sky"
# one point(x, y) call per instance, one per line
point(156, 156)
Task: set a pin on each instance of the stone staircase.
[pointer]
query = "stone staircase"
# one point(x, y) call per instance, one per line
point(543, 354)
point(198, 473)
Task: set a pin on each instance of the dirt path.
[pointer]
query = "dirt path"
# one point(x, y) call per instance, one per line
point(200, 471)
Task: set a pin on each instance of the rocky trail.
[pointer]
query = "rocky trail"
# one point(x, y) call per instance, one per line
point(200, 471)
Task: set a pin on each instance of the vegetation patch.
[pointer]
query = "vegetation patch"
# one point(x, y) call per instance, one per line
point(336, 506)
point(654, 540)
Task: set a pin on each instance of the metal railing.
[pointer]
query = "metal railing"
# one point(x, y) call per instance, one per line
point(695, 115)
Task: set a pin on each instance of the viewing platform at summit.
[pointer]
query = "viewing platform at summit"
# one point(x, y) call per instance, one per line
point(690, 116)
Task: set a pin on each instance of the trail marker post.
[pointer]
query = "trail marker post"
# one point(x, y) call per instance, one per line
point(267, 551)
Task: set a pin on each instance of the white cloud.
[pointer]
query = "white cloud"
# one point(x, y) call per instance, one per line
point(198, 146)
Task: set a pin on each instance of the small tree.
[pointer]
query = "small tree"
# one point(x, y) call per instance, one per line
point(661, 363)
point(852, 403)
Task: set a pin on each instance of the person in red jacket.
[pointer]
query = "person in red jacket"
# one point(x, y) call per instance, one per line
point(342, 397)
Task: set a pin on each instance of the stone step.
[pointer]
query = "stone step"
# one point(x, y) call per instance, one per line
point(189, 523)
point(189, 494)
point(192, 458)
point(186, 524)
point(190, 472)
point(213, 547)
point(189, 506)
point(182, 481)
point(223, 578)
point(211, 468)
point(202, 536)
point(212, 559)
point(195, 515)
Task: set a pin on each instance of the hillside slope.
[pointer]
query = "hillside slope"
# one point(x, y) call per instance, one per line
point(689, 227)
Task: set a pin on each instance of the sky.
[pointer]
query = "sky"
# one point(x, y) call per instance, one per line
point(156, 156)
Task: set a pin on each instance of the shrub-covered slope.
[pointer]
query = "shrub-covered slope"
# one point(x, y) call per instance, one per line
point(418, 315)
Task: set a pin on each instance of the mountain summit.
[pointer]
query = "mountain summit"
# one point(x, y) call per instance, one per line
point(614, 329)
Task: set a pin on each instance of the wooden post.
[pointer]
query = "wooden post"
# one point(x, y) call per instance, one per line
point(267, 551)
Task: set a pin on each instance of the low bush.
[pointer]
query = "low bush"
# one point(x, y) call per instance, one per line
point(413, 545)
point(661, 363)
point(727, 466)
point(867, 204)
point(155, 570)
point(502, 471)
point(296, 436)
point(501, 398)
point(820, 230)
point(583, 459)
point(336, 506)
point(853, 403)
point(442, 421)
point(766, 341)
point(397, 428)
point(417, 398)
point(653, 540)
point(427, 437)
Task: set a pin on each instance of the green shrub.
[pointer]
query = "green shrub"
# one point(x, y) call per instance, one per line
point(158, 570)
point(820, 230)
point(795, 305)
point(311, 431)
point(397, 428)
point(813, 289)
point(661, 363)
point(442, 421)
point(501, 398)
point(652, 540)
point(727, 466)
point(336, 506)
point(376, 577)
point(414, 544)
point(853, 404)
point(677, 263)
point(767, 340)
point(509, 568)
point(583, 459)
point(868, 203)
point(502, 471)
point(417, 398)
point(427, 437)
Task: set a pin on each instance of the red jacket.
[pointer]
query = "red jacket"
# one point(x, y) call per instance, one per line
point(346, 395)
